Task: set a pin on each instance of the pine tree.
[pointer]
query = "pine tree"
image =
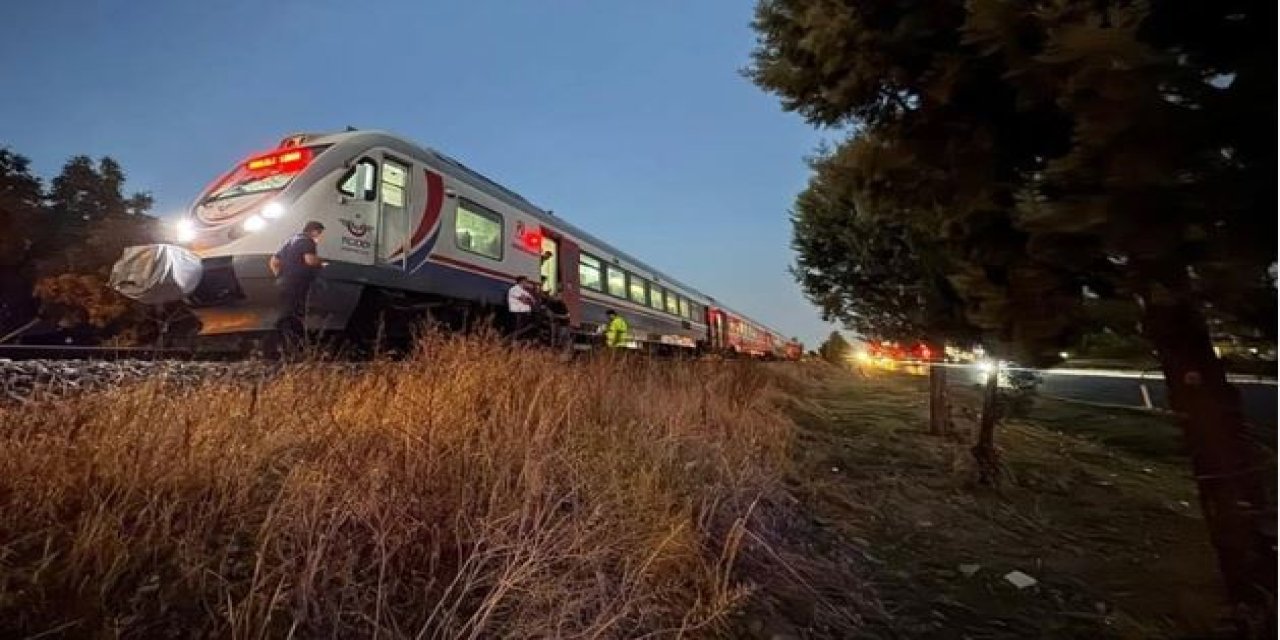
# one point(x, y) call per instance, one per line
point(882, 279)
point(92, 218)
point(835, 349)
point(1061, 156)
point(21, 196)
point(879, 277)
point(92, 222)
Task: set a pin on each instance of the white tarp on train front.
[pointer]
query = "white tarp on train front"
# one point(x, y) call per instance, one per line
point(156, 273)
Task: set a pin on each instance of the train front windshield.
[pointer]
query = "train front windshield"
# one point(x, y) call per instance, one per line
point(263, 174)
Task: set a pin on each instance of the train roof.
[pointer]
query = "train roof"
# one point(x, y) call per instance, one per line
point(492, 188)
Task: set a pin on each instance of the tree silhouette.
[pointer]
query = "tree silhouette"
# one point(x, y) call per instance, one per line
point(1065, 157)
point(21, 197)
point(57, 247)
point(835, 349)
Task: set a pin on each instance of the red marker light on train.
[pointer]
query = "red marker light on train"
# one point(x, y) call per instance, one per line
point(289, 161)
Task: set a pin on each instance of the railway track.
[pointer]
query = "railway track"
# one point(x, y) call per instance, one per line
point(34, 373)
point(76, 352)
point(31, 373)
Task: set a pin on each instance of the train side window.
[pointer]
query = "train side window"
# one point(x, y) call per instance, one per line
point(637, 287)
point(655, 297)
point(478, 230)
point(393, 183)
point(589, 272)
point(673, 304)
point(360, 180)
point(684, 309)
point(617, 282)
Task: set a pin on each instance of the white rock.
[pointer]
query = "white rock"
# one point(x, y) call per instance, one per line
point(1020, 579)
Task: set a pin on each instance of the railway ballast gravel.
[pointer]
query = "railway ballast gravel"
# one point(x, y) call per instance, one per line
point(26, 381)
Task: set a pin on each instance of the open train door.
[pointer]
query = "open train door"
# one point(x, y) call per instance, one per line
point(715, 323)
point(564, 274)
point(572, 293)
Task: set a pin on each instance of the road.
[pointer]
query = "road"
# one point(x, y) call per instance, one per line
point(1125, 388)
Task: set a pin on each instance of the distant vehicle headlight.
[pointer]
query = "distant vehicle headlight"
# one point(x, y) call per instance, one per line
point(273, 210)
point(254, 223)
point(185, 230)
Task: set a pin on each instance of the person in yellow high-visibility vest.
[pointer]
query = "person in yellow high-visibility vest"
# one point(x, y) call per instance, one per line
point(615, 332)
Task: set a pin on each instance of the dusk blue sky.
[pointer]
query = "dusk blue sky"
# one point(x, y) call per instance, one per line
point(630, 119)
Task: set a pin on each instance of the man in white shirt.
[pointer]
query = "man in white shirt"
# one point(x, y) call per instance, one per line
point(520, 303)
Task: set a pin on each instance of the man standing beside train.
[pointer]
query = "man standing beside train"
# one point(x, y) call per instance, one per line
point(295, 267)
point(520, 303)
point(615, 330)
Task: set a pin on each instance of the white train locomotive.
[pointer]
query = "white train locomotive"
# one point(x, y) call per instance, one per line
point(410, 232)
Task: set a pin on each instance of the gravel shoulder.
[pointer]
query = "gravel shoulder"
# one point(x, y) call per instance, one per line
point(23, 382)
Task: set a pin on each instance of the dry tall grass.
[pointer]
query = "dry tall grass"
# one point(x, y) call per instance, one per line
point(471, 491)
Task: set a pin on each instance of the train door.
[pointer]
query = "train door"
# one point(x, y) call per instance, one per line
point(713, 338)
point(570, 292)
point(715, 325)
point(393, 213)
point(731, 329)
point(357, 213)
point(559, 270)
point(548, 265)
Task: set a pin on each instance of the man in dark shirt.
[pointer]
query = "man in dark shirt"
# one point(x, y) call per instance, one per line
point(295, 267)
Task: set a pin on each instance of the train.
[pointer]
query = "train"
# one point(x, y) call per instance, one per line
point(411, 233)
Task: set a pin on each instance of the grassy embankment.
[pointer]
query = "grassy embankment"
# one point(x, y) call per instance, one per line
point(480, 492)
point(471, 492)
point(1097, 504)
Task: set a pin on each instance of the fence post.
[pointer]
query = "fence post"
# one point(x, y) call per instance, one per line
point(939, 411)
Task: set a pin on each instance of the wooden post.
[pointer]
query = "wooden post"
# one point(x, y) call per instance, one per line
point(939, 407)
point(984, 452)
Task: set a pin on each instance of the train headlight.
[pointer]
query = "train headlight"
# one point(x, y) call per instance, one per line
point(273, 210)
point(185, 230)
point(254, 223)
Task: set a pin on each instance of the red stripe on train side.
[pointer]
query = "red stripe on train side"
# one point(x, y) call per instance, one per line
point(430, 213)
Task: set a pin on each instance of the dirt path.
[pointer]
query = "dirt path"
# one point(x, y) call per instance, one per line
point(1110, 531)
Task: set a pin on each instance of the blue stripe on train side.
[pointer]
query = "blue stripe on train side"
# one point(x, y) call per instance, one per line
point(459, 283)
